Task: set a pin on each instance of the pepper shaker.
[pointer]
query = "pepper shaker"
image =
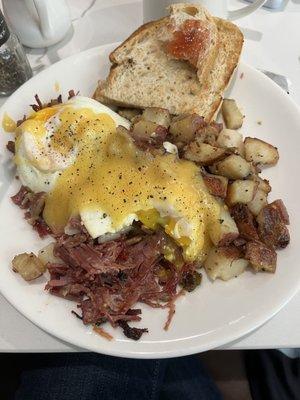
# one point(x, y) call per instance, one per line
point(14, 66)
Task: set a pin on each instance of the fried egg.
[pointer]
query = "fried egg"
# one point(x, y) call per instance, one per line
point(88, 168)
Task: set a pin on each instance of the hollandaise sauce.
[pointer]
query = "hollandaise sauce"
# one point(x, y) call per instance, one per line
point(111, 174)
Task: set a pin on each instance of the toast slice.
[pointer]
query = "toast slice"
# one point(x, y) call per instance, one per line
point(144, 74)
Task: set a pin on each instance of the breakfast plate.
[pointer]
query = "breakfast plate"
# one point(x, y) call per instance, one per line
point(216, 313)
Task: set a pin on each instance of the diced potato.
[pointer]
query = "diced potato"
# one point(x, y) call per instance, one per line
point(46, 255)
point(258, 202)
point(245, 221)
point(282, 211)
point(28, 266)
point(216, 184)
point(129, 113)
point(144, 129)
point(260, 152)
point(229, 138)
point(223, 231)
point(271, 226)
point(232, 116)
point(160, 116)
point(233, 167)
point(241, 191)
point(184, 127)
point(224, 263)
point(263, 184)
point(261, 257)
point(203, 153)
point(208, 134)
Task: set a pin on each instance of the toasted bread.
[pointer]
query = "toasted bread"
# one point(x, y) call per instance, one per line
point(143, 74)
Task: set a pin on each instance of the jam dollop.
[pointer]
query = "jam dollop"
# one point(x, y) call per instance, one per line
point(190, 42)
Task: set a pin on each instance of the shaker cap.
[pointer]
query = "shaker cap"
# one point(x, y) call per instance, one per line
point(4, 31)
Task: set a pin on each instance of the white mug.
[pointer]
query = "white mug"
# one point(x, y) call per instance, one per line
point(155, 9)
point(38, 23)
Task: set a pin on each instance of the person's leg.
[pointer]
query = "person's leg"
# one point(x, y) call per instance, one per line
point(186, 378)
point(272, 375)
point(89, 376)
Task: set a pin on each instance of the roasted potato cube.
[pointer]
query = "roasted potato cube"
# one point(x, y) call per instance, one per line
point(271, 227)
point(144, 129)
point(260, 152)
point(233, 167)
point(282, 211)
point(232, 116)
point(244, 221)
point(263, 184)
point(183, 128)
point(258, 202)
point(203, 153)
point(129, 113)
point(46, 255)
point(260, 257)
point(229, 138)
point(160, 116)
point(241, 192)
point(225, 263)
point(216, 184)
point(28, 266)
point(223, 231)
point(208, 134)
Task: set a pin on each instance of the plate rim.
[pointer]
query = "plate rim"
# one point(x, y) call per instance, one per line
point(196, 346)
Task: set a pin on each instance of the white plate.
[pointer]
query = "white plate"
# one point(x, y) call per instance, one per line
point(216, 313)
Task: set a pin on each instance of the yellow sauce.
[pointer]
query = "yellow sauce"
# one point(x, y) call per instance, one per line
point(8, 124)
point(112, 175)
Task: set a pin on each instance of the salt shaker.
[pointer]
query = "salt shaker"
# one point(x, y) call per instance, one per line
point(14, 66)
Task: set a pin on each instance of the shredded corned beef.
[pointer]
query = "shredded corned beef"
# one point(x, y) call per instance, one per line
point(11, 146)
point(21, 198)
point(108, 279)
point(33, 203)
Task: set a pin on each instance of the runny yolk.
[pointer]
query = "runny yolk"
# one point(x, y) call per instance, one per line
point(8, 124)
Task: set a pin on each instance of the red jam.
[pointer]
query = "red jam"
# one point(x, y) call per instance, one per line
point(190, 42)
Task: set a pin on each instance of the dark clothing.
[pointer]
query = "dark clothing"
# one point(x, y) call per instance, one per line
point(272, 375)
point(89, 376)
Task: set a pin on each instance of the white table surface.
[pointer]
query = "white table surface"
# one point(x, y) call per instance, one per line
point(272, 43)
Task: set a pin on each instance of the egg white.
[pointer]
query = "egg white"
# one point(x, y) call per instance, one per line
point(38, 165)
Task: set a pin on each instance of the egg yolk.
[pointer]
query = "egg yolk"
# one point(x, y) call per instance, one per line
point(112, 175)
point(8, 124)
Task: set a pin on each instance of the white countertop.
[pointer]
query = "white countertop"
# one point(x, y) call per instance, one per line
point(272, 43)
